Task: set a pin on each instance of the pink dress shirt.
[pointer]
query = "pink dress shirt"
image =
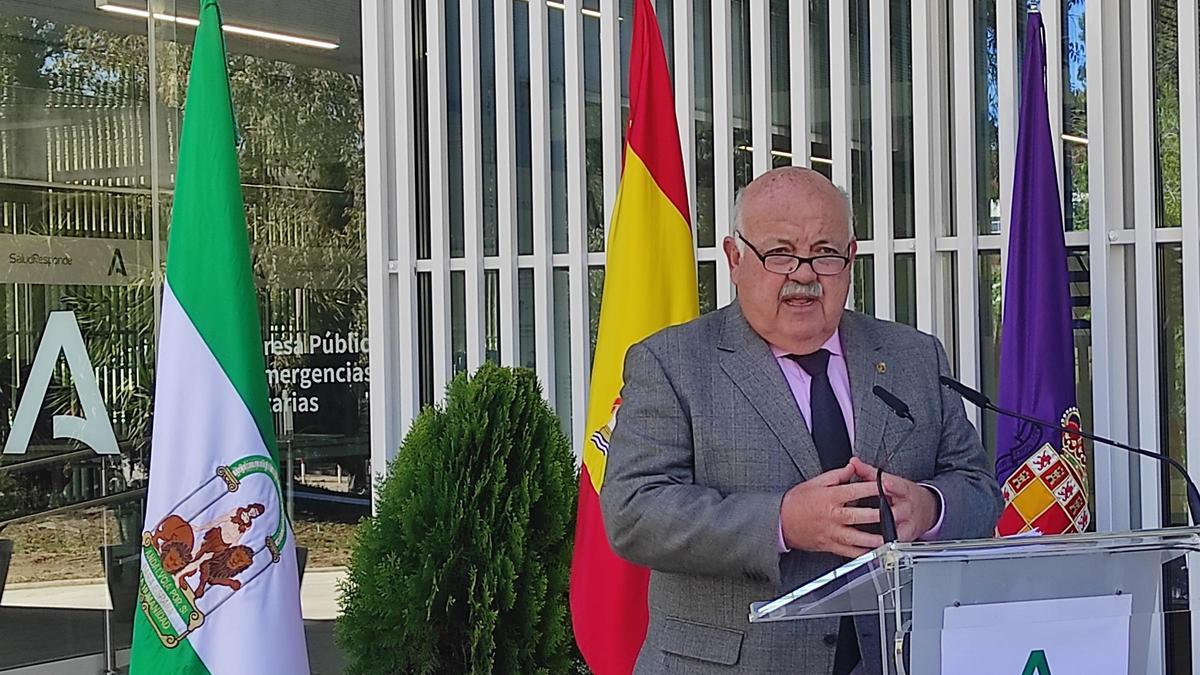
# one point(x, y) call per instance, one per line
point(800, 383)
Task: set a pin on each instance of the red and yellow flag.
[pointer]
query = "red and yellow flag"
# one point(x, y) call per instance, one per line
point(649, 284)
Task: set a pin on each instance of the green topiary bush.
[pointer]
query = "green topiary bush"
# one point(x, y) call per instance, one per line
point(464, 569)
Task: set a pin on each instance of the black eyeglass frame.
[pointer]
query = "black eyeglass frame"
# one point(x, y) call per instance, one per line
point(799, 260)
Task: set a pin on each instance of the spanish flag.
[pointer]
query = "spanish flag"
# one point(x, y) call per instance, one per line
point(649, 284)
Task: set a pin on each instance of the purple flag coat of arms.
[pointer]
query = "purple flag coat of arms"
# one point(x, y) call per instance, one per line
point(1042, 473)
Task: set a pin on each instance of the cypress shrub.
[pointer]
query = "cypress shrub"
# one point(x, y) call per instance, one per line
point(464, 568)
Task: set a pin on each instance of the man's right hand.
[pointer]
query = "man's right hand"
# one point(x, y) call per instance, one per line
point(815, 516)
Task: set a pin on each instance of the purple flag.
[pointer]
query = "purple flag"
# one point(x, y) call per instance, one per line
point(1042, 472)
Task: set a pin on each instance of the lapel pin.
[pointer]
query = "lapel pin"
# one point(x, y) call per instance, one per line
point(881, 367)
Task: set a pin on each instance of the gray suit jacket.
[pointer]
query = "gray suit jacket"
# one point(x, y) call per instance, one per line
point(708, 440)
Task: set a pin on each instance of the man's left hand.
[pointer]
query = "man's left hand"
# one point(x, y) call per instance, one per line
point(916, 508)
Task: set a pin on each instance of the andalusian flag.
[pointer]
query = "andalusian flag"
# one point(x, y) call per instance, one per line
point(220, 590)
point(649, 284)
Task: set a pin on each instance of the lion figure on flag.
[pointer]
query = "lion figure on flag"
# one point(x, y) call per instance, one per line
point(220, 557)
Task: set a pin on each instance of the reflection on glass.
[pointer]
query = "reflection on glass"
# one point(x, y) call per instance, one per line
point(625, 28)
point(454, 127)
point(860, 120)
point(987, 120)
point(706, 277)
point(863, 282)
point(421, 121)
point(1075, 121)
point(903, 187)
point(818, 83)
point(594, 133)
point(1166, 110)
point(458, 321)
point(425, 337)
point(526, 318)
point(75, 169)
point(1080, 278)
point(707, 222)
point(664, 10)
point(905, 288)
point(524, 149)
point(491, 308)
point(487, 101)
point(77, 238)
point(990, 291)
point(948, 264)
point(562, 348)
point(558, 135)
point(743, 130)
point(1173, 403)
point(595, 296)
point(781, 86)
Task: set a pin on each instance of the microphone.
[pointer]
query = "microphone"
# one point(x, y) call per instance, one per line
point(887, 520)
point(981, 400)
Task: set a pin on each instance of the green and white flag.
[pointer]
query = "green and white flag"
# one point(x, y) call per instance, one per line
point(220, 592)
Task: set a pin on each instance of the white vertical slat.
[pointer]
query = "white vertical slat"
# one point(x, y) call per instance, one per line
point(506, 183)
point(1189, 141)
point(1106, 217)
point(798, 15)
point(391, 174)
point(543, 241)
point(472, 194)
point(881, 167)
point(381, 310)
point(1008, 84)
point(1144, 189)
point(1052, 18)
point(722, 60)
point(840, 92)
point(759, 47)
point(439, 192)
point(610, 104)
point(685, 101)
point(927, 137)
point(1145, 205)
point(577, 223)
point(156, 226)
point(966, 199)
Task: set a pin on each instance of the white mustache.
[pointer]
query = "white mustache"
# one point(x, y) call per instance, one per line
point(794, 289)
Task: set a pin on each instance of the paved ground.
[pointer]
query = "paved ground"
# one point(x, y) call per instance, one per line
point(50, 621)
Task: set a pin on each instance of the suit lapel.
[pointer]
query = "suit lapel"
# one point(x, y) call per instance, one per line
point(864, 363)
point(747, 360)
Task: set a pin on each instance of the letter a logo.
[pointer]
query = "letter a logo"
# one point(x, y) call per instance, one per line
point(94, 429)
point(1037, 664)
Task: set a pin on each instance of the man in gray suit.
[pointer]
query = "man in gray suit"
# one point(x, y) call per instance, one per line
point(746, 440)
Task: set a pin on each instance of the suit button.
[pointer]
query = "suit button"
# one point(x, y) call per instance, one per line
point(830, 639)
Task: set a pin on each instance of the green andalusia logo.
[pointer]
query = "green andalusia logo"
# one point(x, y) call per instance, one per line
point(1036, 664)
point(184, 562)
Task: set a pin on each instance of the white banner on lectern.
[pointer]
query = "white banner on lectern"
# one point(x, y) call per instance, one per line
point(1071, 636)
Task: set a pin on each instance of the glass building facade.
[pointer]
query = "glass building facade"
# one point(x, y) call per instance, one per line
point(91, 99)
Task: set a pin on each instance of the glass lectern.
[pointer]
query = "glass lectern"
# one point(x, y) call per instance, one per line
point(914, 588)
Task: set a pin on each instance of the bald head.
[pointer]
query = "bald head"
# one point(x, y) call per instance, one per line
point(793, 183)
point(792, 215)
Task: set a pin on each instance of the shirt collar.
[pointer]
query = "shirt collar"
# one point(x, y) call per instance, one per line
point(833, 345)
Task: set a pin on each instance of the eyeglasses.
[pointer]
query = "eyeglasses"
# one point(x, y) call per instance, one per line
point(786, 263)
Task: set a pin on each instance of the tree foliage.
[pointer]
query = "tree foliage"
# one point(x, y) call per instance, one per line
point(464, 568)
